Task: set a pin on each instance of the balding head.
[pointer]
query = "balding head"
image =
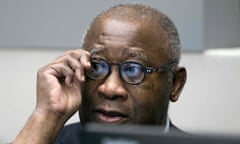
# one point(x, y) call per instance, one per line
point(148, 17)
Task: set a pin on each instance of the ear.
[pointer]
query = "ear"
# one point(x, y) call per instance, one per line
point(179, 79)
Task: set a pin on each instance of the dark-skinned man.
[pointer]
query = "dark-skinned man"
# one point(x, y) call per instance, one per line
point(126, 73)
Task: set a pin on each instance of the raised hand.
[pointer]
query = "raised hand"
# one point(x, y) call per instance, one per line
point(58, 97)
point(59, 84)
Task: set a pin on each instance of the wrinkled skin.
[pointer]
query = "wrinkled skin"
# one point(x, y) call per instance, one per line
point(111, 100)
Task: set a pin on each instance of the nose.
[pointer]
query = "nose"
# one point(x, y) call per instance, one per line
point(112, 88)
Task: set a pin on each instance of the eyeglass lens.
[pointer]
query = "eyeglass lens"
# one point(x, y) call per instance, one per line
point(131, 72)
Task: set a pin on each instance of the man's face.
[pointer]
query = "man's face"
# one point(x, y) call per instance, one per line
point(112, 100)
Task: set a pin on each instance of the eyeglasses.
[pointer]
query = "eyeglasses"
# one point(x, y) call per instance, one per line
point(130, 72)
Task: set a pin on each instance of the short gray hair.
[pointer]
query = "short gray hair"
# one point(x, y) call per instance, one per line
point(145, 13)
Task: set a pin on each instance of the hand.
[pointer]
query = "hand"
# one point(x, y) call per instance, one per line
point(59, 84)
point(58, 97)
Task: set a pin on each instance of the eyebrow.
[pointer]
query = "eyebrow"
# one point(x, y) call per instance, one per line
point(128, 53)
point(136, 54)
point(98, 51)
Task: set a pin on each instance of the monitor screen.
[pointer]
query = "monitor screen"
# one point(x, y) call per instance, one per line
point(135, 134)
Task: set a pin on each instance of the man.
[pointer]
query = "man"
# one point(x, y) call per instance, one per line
point(126, 73)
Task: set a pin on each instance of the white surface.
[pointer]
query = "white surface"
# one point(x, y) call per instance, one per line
point(209, 103)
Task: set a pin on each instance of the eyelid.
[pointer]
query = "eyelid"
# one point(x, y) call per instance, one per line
point(98, 52)
point(97, 58)
point(134, 61)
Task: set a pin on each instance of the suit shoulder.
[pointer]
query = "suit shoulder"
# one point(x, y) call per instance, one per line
point(70, 134)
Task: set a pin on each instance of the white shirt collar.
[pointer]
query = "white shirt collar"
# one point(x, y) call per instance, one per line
point(167, 126)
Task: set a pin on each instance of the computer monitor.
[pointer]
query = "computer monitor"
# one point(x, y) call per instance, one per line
point(135, 134)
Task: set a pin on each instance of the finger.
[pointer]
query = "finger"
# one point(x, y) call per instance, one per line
point(85, 64)
point(84, 60)
point(81, 55)
point(79, 73)
point(78, 60)
point(76, 65)
point(63, 71)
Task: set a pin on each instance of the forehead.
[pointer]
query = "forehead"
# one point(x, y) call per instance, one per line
point(119, 28)
point(126, 37)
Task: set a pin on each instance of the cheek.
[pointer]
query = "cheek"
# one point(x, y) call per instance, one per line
point(146, 96)
point(152, 95)
point(88, 92)
point(155, 85)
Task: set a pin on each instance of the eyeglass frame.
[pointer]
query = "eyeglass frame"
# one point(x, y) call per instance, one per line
point(146, 70)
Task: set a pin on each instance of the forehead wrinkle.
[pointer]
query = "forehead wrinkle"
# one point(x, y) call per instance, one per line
point(136, 54)
point(98, 51)
point(108, 39)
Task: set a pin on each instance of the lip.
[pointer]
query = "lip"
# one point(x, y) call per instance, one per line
point(110, 116)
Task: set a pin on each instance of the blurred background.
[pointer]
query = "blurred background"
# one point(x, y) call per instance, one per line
point(33, 33)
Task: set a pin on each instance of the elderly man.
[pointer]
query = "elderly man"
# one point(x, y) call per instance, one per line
point(126, 73)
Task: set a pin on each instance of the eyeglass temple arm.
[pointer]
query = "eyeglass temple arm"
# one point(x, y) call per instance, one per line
point(164, 68)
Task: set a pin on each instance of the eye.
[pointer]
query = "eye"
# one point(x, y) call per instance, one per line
point(98, 70)
point(132, 70)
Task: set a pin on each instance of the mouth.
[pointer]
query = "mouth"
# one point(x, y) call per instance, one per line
point(110, 116)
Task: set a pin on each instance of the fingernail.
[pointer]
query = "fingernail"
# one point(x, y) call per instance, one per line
point(89, 64)
point(83, 78)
